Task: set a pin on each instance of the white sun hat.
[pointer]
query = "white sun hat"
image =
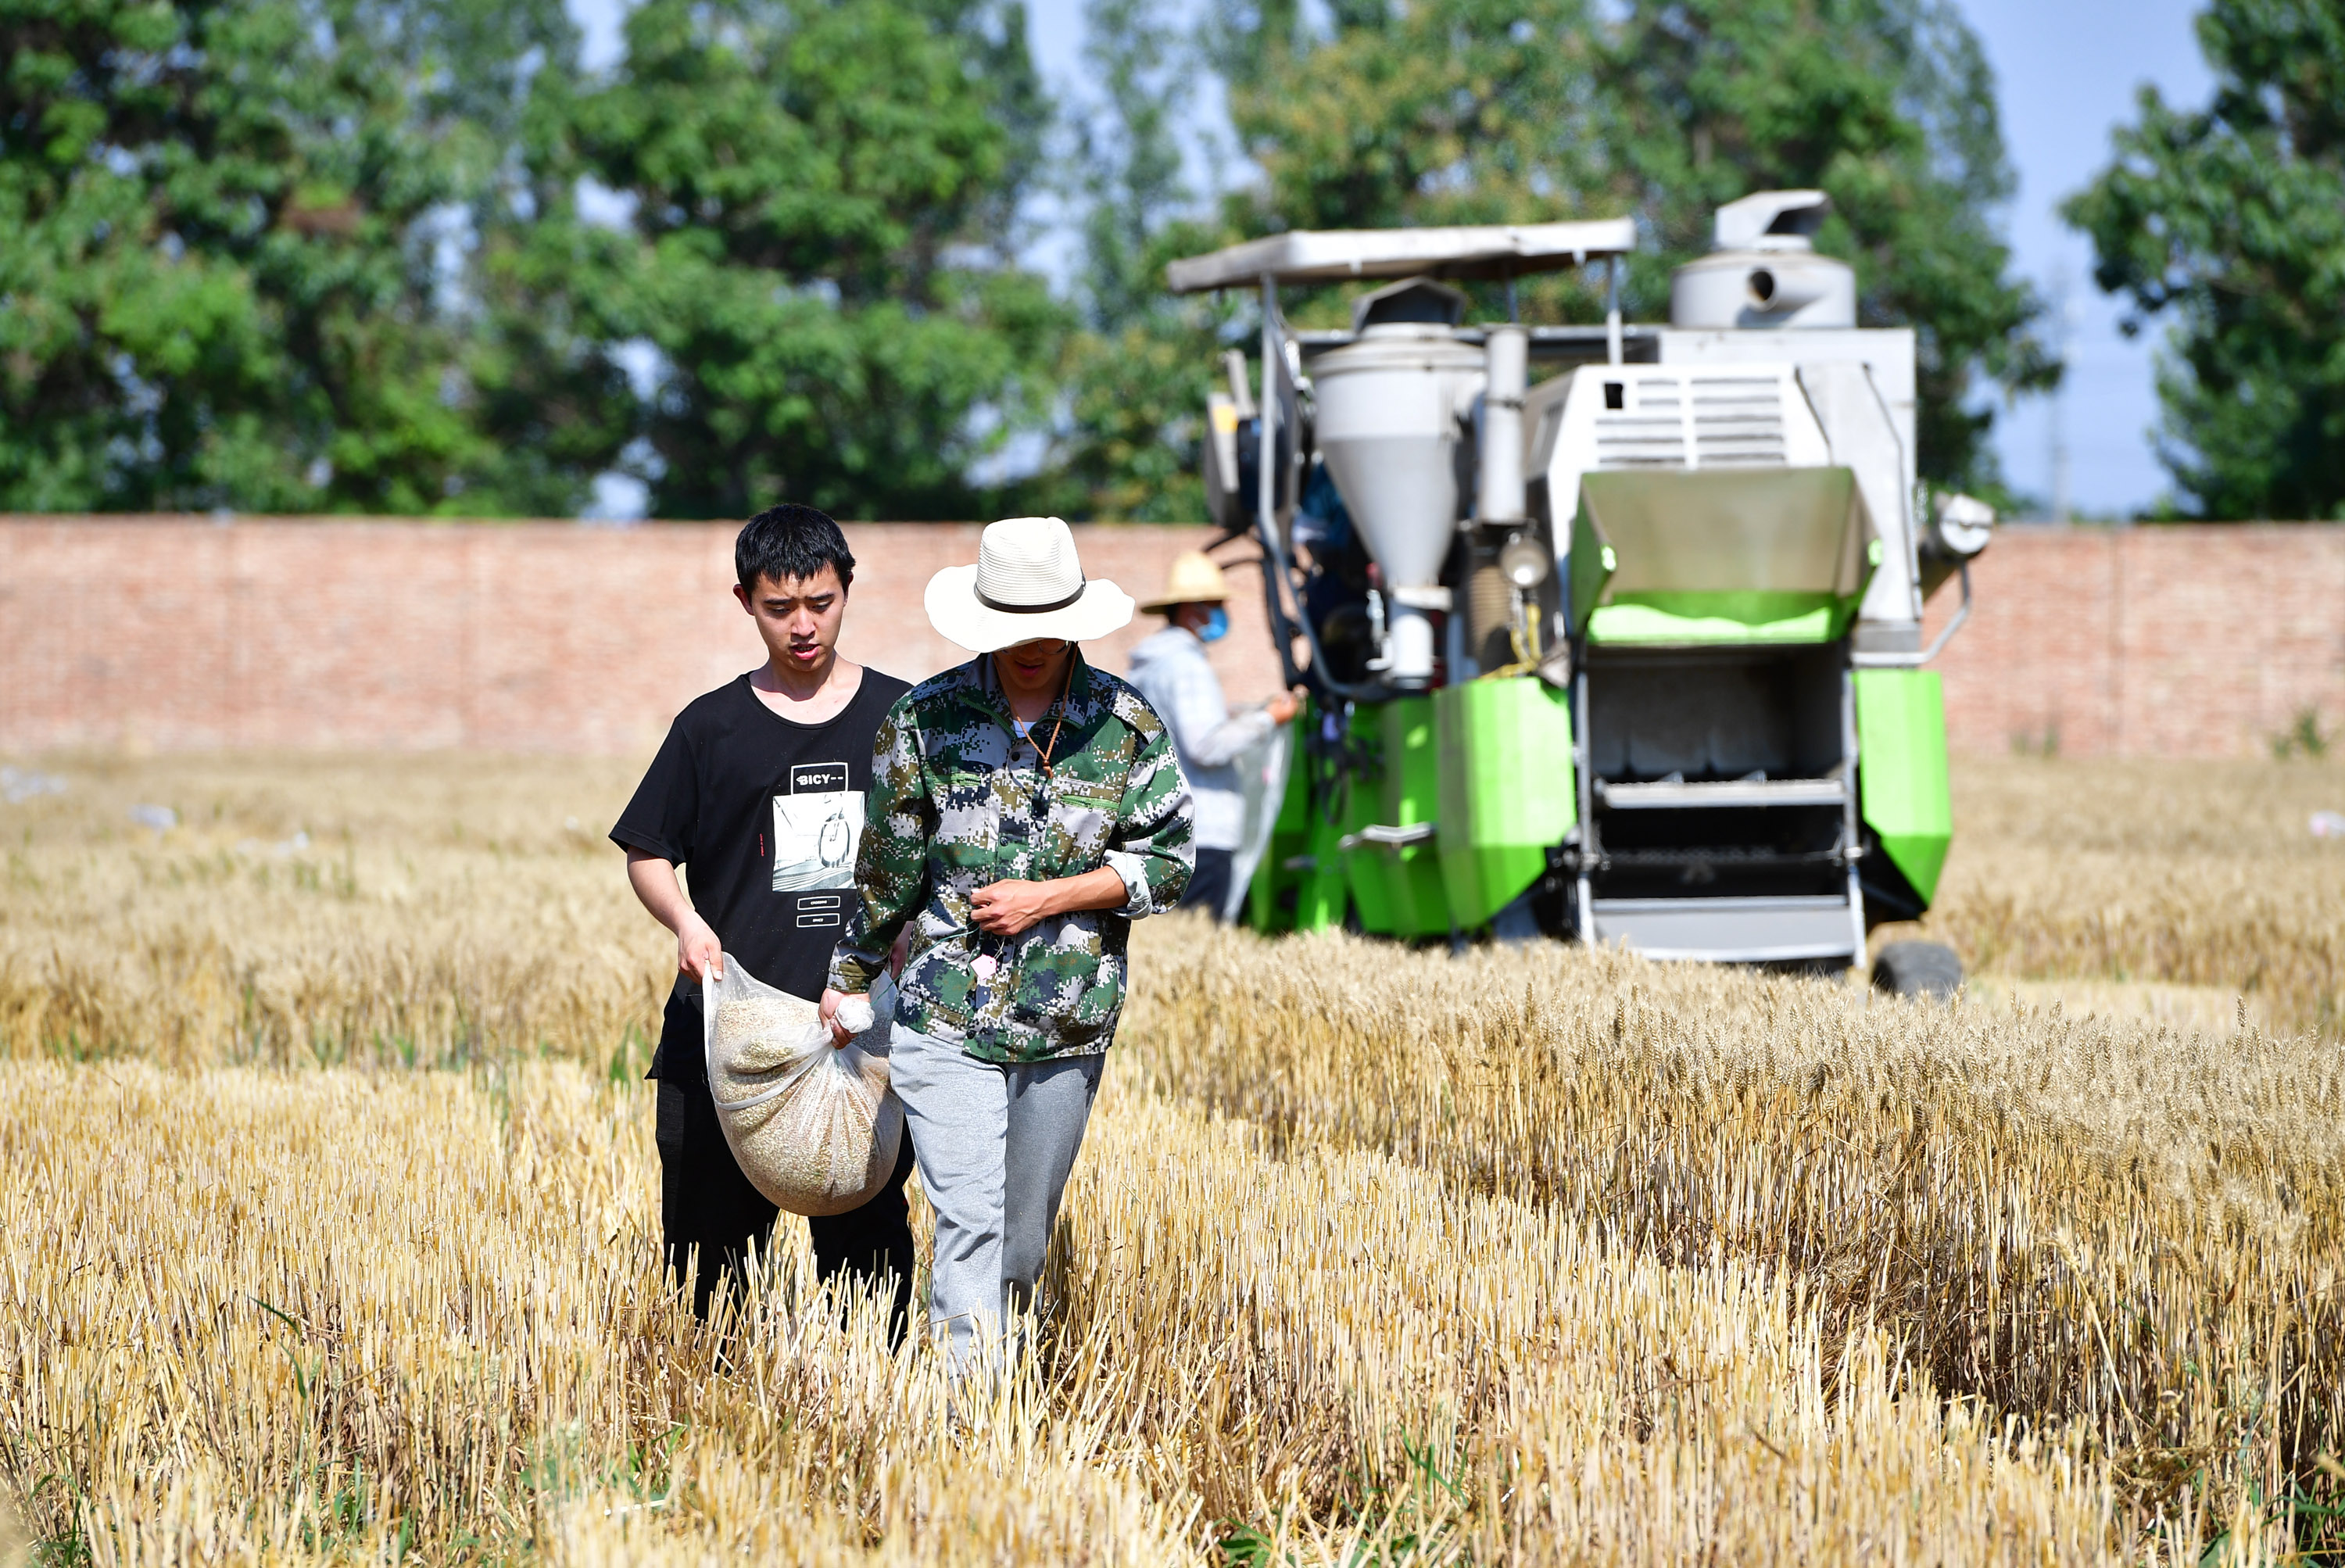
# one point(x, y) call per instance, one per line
point(1026, 584)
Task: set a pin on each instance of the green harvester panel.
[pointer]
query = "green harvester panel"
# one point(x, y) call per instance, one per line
point(1689, 557)
point(1901, 739)
point(1290, 839)
point(1306, 882)
point(1506, 790)
point(1397, 887)
point(1356, 875)
point(1321, 806)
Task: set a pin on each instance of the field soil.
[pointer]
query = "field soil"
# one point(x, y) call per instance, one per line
point(330, 1226)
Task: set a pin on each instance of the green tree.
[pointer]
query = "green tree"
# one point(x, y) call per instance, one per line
point(2230, 222)
point(1888, 106)
point(826, 195)
point(1443, 111)
point(1478, 111)
point(219, 222)
point(1458, 111)
point(540, 381)
point(531, 377)
point(1129, 157)
point(1446, 111)
point(1136, 375)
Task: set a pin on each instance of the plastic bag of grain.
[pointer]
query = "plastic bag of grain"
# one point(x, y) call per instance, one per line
point(814, 1126)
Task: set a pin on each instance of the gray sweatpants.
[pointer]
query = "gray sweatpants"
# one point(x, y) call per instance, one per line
point(995, 1145)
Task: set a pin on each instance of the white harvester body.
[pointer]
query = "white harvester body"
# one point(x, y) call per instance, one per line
point(1694, 537)
point(1840, 398)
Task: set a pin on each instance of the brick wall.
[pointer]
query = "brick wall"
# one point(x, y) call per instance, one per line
point(2154, 641)
point(184, 634)
point(178, 634)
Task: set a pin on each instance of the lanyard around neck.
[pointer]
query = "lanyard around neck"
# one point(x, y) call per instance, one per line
point(1066, 688)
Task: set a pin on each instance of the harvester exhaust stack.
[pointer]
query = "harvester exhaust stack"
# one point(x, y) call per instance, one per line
point(1763, 271)
point(1499, 497)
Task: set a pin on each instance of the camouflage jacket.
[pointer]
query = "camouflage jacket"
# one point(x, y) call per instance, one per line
point(958, 803)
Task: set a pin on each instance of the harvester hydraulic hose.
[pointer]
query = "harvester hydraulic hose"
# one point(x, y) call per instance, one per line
point(1317, 676)
point(1266, 522)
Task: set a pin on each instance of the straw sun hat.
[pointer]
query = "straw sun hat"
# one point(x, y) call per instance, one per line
point(1027, 585)
point(1194, 579)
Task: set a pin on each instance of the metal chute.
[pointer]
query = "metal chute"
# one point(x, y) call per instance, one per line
point(1721, 555)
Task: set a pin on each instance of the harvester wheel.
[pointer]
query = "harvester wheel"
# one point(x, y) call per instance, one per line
point(1918, 969)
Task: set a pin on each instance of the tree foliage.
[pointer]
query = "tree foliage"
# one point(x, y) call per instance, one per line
point(1135, 377)
point(824, 202)
point(217, 261)
point(1444, 111)
point(1889, 106)
point(305, 255)
point(1437, 112)
point(2229, 221)
point(1478, 111)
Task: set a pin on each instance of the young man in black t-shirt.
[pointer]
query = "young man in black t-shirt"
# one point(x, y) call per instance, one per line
point(759, 791)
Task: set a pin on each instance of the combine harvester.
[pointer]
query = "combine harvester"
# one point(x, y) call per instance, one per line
point(1633, 654)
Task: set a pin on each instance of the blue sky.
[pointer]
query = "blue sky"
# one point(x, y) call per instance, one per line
point(2067, 71)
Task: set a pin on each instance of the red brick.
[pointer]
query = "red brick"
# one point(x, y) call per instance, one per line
point(180, 634)
point(2155, 641)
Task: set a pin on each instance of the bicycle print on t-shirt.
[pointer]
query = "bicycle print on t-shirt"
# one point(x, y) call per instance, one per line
point(816, 827)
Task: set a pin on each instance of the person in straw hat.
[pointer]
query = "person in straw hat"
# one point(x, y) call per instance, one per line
point(1025, 808)
point(1172, 673)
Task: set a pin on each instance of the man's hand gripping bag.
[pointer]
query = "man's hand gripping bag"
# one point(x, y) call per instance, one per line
point(814, 1126)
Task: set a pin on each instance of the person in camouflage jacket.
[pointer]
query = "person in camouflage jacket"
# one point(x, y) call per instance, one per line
point(958, 801)
point(1024, 810)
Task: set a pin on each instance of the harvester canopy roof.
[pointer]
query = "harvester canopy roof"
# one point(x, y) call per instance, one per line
point(1339, 255)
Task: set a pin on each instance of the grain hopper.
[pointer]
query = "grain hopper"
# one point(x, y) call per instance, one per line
point(1611, 631)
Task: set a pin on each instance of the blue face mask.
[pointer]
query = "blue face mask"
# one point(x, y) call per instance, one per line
point(1216, 627)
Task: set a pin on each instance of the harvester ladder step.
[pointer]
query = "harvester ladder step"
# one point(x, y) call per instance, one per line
point(1723, 792)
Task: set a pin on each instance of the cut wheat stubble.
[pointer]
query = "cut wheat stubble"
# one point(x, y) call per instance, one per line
point(1536, 1255)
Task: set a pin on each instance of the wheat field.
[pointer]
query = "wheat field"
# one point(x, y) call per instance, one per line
point(2203, 875)
point(331, 1221)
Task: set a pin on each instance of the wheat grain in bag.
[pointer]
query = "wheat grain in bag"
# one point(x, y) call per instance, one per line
point(814, 1126)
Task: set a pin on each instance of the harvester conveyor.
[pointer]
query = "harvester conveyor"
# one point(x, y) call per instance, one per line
point(1723, 792)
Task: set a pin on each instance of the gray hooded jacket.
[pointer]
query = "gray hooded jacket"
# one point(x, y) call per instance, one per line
point(1171, 670)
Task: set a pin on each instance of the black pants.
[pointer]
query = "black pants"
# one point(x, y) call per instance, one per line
point(707, 1205)
point(1208, 884)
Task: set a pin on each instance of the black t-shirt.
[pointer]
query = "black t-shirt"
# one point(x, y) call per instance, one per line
point(765, 814)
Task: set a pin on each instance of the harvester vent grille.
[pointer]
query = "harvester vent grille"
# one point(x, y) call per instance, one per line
point(1647, 431)
point(1711, 420)
point(1738, 422)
